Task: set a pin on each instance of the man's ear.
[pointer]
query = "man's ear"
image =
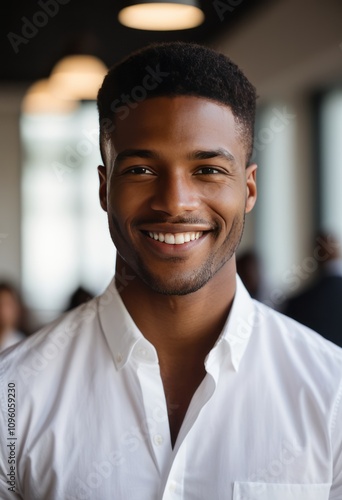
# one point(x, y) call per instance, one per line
point(103, 186)
point(251, 187)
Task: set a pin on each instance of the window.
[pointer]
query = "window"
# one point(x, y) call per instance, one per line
point(65, 236)
point(331, 162)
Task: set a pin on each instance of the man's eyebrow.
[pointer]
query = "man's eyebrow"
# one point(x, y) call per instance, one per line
point(220, 153)
point(212, 153)
point(135, 153)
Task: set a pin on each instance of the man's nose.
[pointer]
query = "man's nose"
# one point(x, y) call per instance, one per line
point(175, 194)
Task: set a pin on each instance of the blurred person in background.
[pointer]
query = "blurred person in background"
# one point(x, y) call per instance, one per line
point(79, 296)
point(249, 268)
point(11, 315)
point(319, 305)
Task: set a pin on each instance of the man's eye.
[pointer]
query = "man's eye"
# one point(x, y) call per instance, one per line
point(208, 171)
point(139, 171)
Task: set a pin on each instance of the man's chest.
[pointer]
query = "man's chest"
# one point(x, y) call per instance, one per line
point(120, 442)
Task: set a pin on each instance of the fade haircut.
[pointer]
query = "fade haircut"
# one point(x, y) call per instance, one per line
point(175, 69)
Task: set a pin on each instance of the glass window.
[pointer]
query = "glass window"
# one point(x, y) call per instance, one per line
point(331, 162)
point(65, 237)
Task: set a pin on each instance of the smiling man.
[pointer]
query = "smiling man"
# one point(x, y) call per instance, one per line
point(174, 383)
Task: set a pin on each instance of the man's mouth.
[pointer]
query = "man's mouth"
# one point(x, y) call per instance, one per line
point(175, 238)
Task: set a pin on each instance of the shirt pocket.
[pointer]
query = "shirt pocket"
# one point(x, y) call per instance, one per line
point(277, 491)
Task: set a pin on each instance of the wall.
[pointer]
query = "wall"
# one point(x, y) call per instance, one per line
point(10, 168)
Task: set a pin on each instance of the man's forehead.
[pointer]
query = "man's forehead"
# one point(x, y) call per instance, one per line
point(166, 110)
point(208, 124)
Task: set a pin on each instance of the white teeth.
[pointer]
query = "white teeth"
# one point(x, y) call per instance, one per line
point(179, 238)
point(170, 238)
point(176, 238)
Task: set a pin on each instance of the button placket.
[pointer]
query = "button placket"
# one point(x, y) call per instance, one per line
point(174, 486)
point(157, 423)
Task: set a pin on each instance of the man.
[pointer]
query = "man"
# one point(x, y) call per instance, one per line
point(319, 304)
point(174, 383)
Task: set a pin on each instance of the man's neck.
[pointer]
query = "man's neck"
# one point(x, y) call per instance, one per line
point(183, 329)
point(179, 325)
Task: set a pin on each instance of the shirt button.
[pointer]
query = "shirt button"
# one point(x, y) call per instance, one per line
point(119, 357)
point(172, 486)
point(158, 439)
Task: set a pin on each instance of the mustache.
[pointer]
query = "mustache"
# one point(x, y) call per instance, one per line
point(177, 220)
point(214, 226)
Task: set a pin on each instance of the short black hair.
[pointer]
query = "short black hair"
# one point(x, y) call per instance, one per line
point(178, 68)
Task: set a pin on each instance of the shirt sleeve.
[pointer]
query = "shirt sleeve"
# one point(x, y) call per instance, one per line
point(336, 489)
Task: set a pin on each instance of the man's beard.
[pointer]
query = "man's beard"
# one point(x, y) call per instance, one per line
point(198, 278)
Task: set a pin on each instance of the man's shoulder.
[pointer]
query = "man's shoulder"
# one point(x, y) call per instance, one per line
point(52, 341)
point(291, 334)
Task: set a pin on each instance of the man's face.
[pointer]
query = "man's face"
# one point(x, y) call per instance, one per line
point(177, 192)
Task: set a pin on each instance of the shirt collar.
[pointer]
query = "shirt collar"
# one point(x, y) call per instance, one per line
point(237, 329)
point(124, 337)
point(122, 334)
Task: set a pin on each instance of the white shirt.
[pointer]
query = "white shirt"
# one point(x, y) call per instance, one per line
point(12, 337)
point(91, 419)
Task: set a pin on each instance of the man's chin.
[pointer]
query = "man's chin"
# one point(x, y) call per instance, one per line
point(174, 286)
point(176, 291)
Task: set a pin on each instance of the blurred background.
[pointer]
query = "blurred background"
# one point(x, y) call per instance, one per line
point(54, 241)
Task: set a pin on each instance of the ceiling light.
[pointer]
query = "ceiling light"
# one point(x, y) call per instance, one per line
point(78, 77)
point(161, 15)
point(40, 99)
